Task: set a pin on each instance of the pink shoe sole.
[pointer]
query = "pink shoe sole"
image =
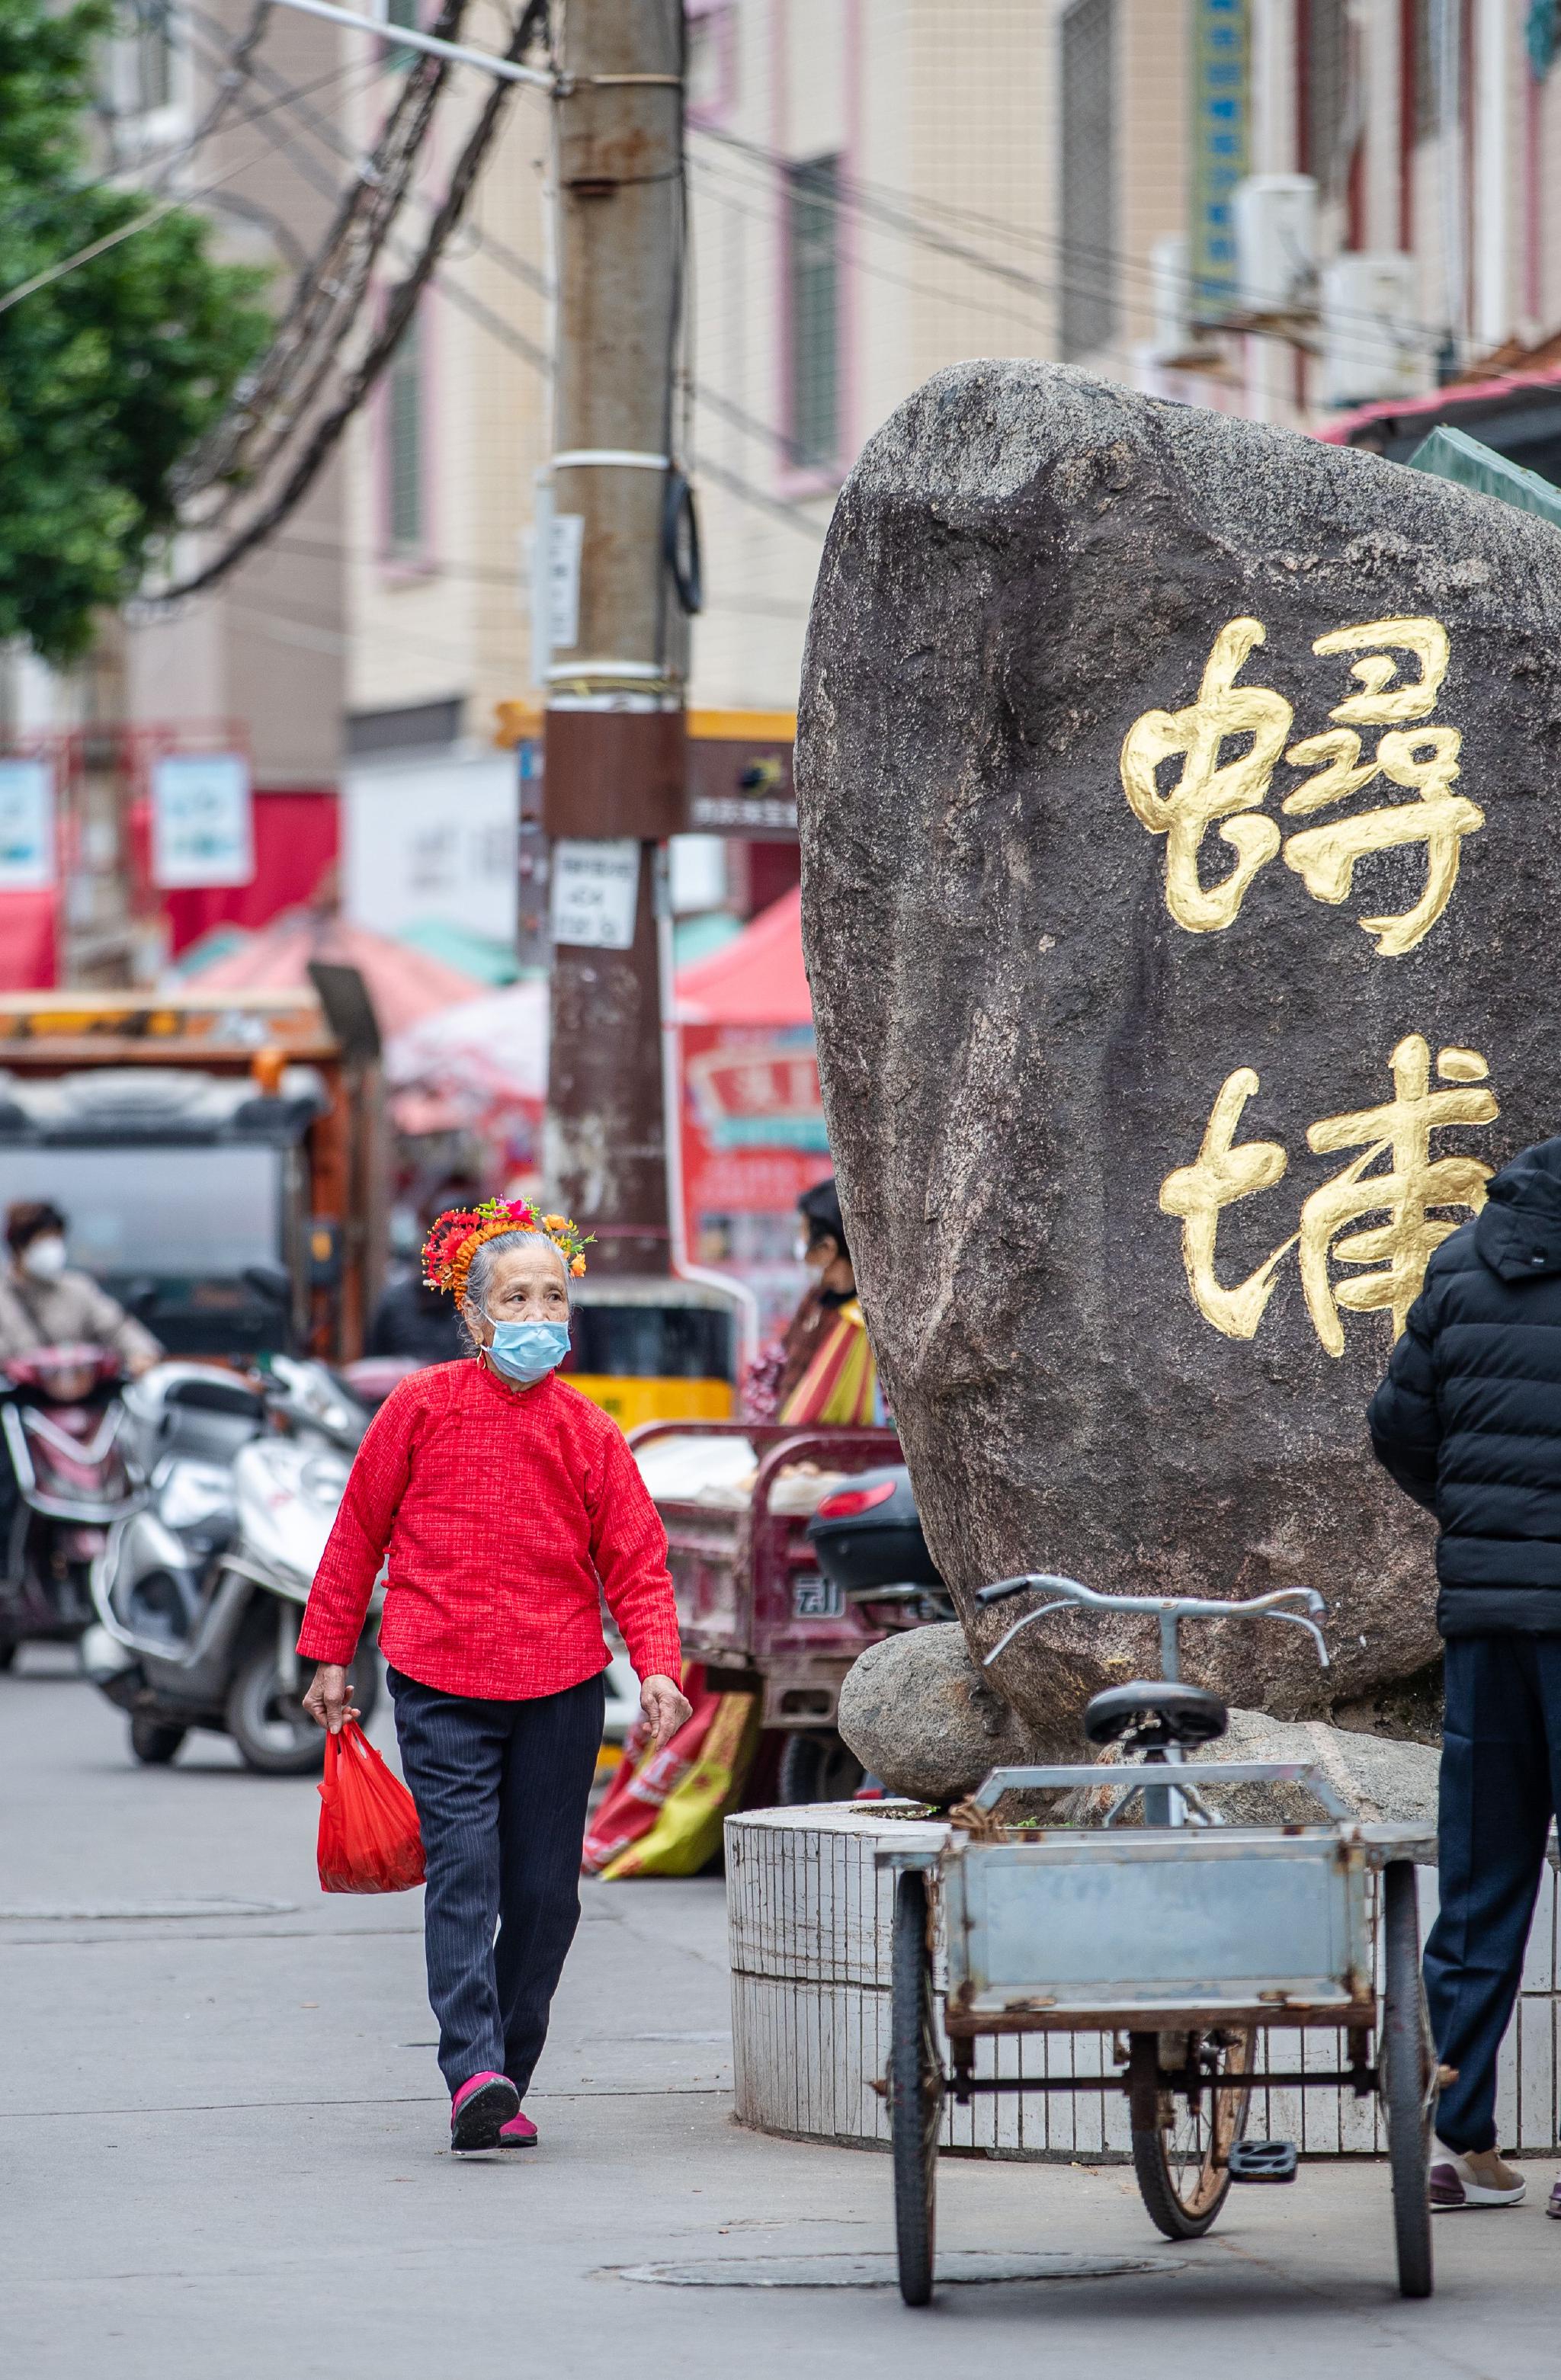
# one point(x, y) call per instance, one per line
point(481, 2108)
point(518, 2133)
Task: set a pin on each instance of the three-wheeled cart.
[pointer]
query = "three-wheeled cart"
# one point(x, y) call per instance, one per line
point(752, 1602)
point(1185, 1937)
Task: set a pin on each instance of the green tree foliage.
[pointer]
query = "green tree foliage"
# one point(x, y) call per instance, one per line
point(109, 375)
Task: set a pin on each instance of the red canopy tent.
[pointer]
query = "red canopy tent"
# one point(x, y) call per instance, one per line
point(757, 979)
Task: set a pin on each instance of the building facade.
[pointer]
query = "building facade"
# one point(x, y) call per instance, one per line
point(1284, 208)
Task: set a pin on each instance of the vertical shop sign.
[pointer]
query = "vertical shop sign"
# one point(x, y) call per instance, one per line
point(27, 826)
point(1218, 150)
point(203, 829)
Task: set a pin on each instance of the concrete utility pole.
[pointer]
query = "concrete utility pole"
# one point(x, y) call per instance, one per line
point(613, 740)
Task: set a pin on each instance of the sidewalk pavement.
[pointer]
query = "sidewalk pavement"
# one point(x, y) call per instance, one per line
point(223, 2149)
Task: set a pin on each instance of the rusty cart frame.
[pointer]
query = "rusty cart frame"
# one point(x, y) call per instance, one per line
point(752, 1603)
point(1186, 1937)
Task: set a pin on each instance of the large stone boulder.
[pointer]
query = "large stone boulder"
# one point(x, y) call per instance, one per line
point(1179, 892)
point(1376, 1777)
point(917, 1713)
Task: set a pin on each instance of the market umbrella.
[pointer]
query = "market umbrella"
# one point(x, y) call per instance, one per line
point(404, 986)
point(491, 1048)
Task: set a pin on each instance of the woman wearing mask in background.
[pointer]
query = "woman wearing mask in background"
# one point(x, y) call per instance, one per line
point(504, 1505)
point(44, 1304)
point(823, 1369)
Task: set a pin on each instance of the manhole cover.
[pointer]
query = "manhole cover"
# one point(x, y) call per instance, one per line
point(65, 1912)
point(880, 2271)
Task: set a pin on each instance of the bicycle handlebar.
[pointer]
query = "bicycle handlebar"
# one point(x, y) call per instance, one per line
point(1183, 1606)
point(1171, 1607)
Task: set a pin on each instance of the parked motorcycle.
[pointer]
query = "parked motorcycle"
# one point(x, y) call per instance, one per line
point(72, 1476)
point(199, 1591)
point(868, 1541)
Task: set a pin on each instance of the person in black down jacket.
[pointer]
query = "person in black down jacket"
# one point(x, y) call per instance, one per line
point(1468, 1423)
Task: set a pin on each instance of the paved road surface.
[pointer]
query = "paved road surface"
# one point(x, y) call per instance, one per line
point(223, 2140)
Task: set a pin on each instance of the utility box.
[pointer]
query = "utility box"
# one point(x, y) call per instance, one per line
point(1275, 242)
point(1371, 345)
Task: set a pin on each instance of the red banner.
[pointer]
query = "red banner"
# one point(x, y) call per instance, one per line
point(753, 1140)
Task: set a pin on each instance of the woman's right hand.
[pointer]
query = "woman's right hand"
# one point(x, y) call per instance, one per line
point(329, 1699)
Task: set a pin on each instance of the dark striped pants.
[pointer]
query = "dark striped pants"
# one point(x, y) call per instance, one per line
point(501, 1791)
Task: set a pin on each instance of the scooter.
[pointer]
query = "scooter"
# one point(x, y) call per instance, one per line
point(72, 1476)
point(200, 1592)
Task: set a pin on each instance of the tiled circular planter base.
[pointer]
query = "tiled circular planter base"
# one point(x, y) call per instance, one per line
point(808, 1918)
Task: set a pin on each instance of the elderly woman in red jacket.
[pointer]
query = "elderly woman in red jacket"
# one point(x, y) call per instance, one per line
point(504, 1505)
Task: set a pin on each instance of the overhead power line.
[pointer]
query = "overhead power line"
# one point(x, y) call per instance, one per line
point(328, 430)
point(327, 295)
point(504, 69)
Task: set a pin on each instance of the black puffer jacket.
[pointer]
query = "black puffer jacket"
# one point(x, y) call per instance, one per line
point(1469, 1418)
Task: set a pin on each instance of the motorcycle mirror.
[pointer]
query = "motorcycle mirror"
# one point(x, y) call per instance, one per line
point(270, 1281)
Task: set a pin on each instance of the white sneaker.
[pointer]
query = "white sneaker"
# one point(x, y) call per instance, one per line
point(1453, 2188)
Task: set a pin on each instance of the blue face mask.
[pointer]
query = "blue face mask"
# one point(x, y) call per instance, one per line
point(526, 1352)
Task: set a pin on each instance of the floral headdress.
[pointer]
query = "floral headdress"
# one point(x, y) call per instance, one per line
point(457, 1236)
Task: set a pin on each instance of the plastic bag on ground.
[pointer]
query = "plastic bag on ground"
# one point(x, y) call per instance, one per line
point(369, 1838)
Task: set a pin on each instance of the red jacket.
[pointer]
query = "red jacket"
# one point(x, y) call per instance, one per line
point(505, 1515)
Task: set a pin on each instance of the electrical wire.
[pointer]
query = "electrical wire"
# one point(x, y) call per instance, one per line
point(516, 341)
point(901, 210)
point(327, 433)
point(328, 294)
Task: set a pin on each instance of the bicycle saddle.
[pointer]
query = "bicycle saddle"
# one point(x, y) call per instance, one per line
point(1155, 1712)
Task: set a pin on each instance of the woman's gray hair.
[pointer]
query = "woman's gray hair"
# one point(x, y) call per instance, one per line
point(480, 1276)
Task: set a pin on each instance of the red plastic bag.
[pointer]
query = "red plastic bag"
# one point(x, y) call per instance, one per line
point(368, 1838)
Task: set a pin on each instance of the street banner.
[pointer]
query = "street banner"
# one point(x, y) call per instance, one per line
point(1218, 150)
point(27, 826)
point(202, 827)
point(753, 1140)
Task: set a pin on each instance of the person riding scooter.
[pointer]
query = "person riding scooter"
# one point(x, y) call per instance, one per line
point(44, 1304)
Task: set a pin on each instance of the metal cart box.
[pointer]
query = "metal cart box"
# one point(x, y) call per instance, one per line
point(1117, 1926)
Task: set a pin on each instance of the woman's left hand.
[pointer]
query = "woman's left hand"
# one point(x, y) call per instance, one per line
point(667, 1707)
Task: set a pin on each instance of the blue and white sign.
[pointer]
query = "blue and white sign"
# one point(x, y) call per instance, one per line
point(27, 826)
point(202, 827)
point(1218, 159)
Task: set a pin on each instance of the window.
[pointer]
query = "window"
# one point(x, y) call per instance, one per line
point(813, 247)
point(1421, 99)
point(1086, 153)
point(402, 12)
point(198, 1209)
point(1326, 29)
point(708, 67)
point(145, 79)
point(404, 441)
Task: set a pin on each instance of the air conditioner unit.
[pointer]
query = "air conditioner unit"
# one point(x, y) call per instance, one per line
point(1170, 295)
point(1372, 346)
point(1276, 216)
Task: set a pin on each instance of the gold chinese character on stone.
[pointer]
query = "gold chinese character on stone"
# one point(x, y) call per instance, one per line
point(1424, 759)
point(1413, 1192)
point(1413, 1183)
point(1200, 1194)
point(1208, 789)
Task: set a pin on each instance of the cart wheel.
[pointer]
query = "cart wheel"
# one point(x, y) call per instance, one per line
point(1182, 2157)
point(1408, 2061)
point(915, 2089)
